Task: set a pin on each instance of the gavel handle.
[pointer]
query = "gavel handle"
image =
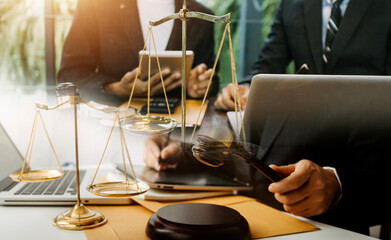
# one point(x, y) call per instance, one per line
point(265, 169)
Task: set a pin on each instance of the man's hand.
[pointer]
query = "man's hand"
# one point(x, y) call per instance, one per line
point(308, 189)
point(124, 87)
point(198, 81)
point(225, 101)
point(156, 150)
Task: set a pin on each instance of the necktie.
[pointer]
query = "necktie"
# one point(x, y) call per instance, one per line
point(332, 29)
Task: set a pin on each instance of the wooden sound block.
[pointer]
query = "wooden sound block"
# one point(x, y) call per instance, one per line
point(197, 221)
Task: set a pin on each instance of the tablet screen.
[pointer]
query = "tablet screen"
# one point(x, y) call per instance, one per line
point(167, 59)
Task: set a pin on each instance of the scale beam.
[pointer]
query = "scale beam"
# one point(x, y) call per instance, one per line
point(185, 15)
point(211, 18)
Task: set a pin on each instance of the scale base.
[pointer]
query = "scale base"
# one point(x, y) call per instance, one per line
point(79, 218)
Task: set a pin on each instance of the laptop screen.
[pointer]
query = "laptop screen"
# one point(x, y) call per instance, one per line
point(336, 101)
point(10, 157)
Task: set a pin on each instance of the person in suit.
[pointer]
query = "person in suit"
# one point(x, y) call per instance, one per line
point(361, 45)
point(336, 174)
point(100, 54)
point(335, 165)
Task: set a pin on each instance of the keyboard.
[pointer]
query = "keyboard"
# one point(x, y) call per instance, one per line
point(65, 184)
point(159, 105)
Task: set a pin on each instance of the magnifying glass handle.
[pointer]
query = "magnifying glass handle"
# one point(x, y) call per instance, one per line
point(265, 169)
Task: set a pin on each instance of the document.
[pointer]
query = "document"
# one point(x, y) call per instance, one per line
point(264, 221)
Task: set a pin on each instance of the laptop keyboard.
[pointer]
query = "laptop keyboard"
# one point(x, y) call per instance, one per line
point(56, 187)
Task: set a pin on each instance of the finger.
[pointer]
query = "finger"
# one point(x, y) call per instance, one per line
point(197, 91)
point(170, 86)
point(291, 197)
point(284, 170)
point(156, 89)
point(298, 208)
point(176, 76)
point(206, 75)
point(294, 181)
point(201, 68)
point(305, 208)
point(226, 99)
point(219, 103)
point(244, 95)
point(129, 76)
point(150, 159)
point(203, 84)
point(169, 83)
point(174, 85)
point(152, 145)
point(171, 150)
point(156, 79)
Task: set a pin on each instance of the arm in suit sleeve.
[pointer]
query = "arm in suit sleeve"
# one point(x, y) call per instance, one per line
point(80, 57)
point(275, 54)
point(365, 178)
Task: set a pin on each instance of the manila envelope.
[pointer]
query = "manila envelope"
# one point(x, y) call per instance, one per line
point(129, 222)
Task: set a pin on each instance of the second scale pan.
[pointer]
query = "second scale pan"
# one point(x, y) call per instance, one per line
point(144, 124)
point(36, 175)
point(118, 189)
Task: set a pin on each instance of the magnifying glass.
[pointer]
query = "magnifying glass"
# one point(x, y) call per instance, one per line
point(213, 153)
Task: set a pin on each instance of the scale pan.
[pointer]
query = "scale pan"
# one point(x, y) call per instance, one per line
point(118, 189)
point(37, 175)
point(144, 124)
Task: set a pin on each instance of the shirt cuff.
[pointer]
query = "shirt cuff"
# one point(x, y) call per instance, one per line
point(340, 184)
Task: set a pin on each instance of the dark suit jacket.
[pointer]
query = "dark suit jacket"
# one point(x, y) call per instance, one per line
point(106, 36)
point(360, 153)
point(362, 45)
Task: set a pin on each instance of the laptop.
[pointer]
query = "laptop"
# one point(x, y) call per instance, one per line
point(61, 191)
point(336, 99)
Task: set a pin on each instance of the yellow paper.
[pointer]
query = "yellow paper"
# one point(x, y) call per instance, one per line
point(225, 201)
point(124, 222)
point(129, 222)
point(265, 221)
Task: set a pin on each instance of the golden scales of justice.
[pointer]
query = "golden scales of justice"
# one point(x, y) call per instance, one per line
point(80, 217)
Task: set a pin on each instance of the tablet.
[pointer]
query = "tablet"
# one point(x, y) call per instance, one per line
point(171, 59)
point(191, 175)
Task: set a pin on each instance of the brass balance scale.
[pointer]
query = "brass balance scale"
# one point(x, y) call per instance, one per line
point(80, 217)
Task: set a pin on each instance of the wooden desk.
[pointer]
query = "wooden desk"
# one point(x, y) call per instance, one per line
point(215, 123)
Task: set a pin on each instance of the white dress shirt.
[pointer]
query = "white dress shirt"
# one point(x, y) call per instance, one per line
point(327, 5)
point(153, 10)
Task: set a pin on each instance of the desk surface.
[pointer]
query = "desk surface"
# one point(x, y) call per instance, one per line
point(16, 115)
point(36, 222)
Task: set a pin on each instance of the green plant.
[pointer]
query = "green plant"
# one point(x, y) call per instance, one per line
point(22, 37)
point(222, 7)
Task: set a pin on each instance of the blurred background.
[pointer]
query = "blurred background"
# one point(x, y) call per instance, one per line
point(32, 34)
